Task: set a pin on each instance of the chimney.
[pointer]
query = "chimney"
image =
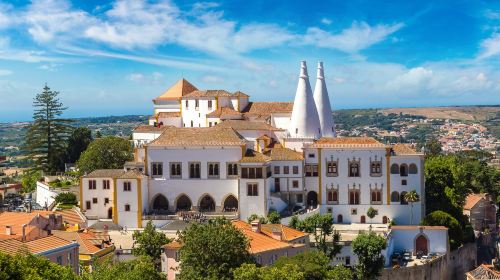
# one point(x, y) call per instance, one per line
point(24, 233)
point(276, 234)
point(304, 122)
point(256, 225)
point(323, 105)
point(8, 230)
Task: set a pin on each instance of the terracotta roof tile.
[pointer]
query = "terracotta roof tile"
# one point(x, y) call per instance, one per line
point(208, 93)
point(105, 173)
point(163, 115)
point(204, 136)
point(472, 199)
point(404, 149)
point(253, 156)
point(131, 174)
point(267, 108)
point(178, 90)
point(37, 246)
point(89, 242)
point(246, 125)
point(259, 242)
point(69, 216)
point(224, 112)
point(340, 142)
point(287, 233)
point(283, 154)
point(240, 94)
point(150, 128)
point(173, 245)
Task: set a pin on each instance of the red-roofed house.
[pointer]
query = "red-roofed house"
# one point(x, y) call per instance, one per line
point(481, 211)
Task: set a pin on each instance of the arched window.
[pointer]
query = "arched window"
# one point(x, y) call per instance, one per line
point(394, 196)
point(394, 168)
point(340, 219)
point(332, 196)
point(403, 170)
point(354, 169)
point(354, 197)
point(402, 198)
point(413, 169)
point(363, 219)
point(385, 220)
point(376, 196)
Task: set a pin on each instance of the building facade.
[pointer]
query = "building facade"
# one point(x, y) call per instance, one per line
point(217, 152)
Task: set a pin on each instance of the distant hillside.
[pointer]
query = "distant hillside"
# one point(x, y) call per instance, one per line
point(464, 113)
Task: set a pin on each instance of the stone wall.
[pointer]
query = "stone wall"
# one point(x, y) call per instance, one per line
point(451, 266)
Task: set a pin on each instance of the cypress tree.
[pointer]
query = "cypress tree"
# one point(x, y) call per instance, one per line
point(47, 135)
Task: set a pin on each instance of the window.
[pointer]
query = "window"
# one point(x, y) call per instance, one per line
point(209, 104)
point(92, 184)
point(403, 170)
point(106, 200)
point(295, 184)
point(404, 182)
point(258, 173)
point(311, 155)
point(286, 169)
point(177, 256)
point(105, 184)
point(394, 169)
point(252, 189)
point(88, 205)
point(194, 170)
point(187, 104)
point(276, 170)
point(232, 169)
point(127, 186)
point(331, 168)
point(157, 169)
point(213, 170)
point(175, 170)
point(333, 196)
point(251, 172)
point(196, 104)
point(300, 198)
point(192, 124)
point(394, 196)
point(277, 185)
point(94, 200)
point(413, 169)
point(295, 169)
point(354, 169)
point(403, 199)
point(59, 260)
point(311, 170)
point(375, 169)
point(209, 124)
point(354, 197)
point(376, 196)
point(354, 211)
point(127, 207)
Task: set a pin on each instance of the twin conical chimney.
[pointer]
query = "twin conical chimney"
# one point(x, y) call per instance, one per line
point(323, 104)
point(305, 120)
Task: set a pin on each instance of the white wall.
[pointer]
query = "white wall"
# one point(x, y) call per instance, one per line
point(97, 209)
point(404, 239)
point(127, 218)
point(44, 196)
point(197, 115)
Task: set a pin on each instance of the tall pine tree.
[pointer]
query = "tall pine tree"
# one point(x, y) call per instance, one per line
point(47, 135)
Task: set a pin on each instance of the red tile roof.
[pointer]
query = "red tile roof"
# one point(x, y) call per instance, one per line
point(259, 242)
point(472, 199)
point(36, 246)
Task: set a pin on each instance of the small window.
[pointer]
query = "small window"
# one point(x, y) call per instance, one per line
point(252, 189)
point(127, 186)
point(209, 104)
point(286, 169)
point(295, 169)
point(331, 168)
point(94, 200)
point(311, 170)
point(311, 155)
point(277, 169)
point(127, 207)
point(105, 184)
point(209, 124)
point(88, 205)
point(333, 196)
point(194, 170)
point(196, 104)
point(213, 170)
point(354, 169)
point(403, 170)
point(232, 169)
point(413, 169)
point(92, 184)
point(376, 196)
point(157, 169)
point(187, 104)
point(192, 124)
point(404, 182)
point(106, 200)
point(354, 211)
point(175, 170)
point(59, 260)
point(295, 184)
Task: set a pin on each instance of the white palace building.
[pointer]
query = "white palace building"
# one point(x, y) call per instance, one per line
point(217, 152)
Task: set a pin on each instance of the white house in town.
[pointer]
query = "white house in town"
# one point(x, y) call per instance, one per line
point(217, 152)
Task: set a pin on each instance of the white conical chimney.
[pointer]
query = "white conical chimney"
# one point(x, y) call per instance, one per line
point(305, 121)
point(323, 105)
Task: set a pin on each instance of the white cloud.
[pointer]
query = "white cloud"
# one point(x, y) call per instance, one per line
point(152, 79)
point(353, 39)
point(5, 17)
point(418, 77)
point(51, 67)
point(211, 79)
point(490, 47)
point(326, 21)
point(5, 72)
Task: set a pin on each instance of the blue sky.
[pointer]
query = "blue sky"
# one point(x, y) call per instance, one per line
point(112, 58)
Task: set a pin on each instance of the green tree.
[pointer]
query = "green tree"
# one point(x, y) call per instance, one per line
point(29, 179)
point(321, 226)
point(273, 217)
point(314, 264)
point(142, 268)
point(294, 222)
point(440, 218)
point(46, 137)
point(412, 197)
point(149, 242)
point(212, 250)
point(78, 142)
point(368, 247)
point(28, 266)
point(105, 153)
point(253, 272)
point(340, 272)
point(98, 134)
point(371, 213)
point(433, 147)
point(254, 217)
point(66, 198)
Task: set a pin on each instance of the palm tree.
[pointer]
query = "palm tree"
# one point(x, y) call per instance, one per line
point(412, 197)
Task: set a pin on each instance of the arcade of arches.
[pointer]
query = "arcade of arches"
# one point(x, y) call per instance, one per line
point(205, 204)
